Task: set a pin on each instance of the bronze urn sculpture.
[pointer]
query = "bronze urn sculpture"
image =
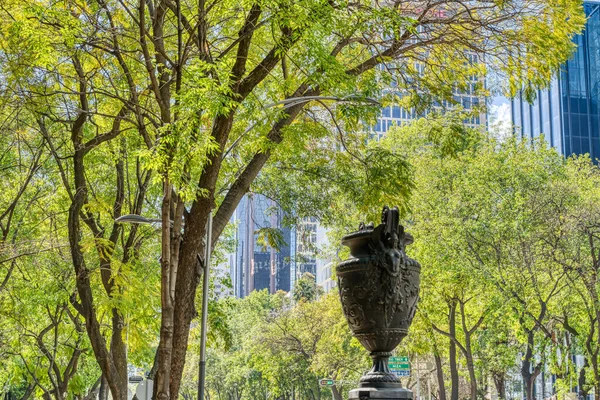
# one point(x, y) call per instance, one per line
point(379, 290)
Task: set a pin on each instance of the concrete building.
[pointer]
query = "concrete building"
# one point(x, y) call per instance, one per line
point(306, 246)
point(397, 116)
point(325, 275)
point(253, 266)
point(468, 99)
point(324, 263)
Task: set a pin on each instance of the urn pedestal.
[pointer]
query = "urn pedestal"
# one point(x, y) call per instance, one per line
point(379, 290)
point(380, 394)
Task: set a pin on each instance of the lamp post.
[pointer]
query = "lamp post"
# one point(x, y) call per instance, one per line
point(203, 324)
point(137, 219)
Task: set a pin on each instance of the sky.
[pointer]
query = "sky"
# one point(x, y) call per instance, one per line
point(499, 115)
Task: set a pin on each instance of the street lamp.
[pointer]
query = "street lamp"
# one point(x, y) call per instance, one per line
point(353, 98)
point(137, 219)
point(204, 320)
point(293, 101)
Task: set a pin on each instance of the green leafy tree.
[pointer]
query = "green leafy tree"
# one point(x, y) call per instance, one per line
point(480, 215)
point(306, 288)
point(162, 105)
point(280, 350)
point(573, 245)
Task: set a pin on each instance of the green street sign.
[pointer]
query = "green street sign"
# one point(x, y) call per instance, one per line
point(399, 365)
point(398, 359)
point(326, 382)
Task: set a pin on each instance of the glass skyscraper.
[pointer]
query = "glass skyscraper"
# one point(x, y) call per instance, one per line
point(567, 113)
point(255, 266)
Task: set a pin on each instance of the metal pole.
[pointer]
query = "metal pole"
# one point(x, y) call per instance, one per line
point(429, 386)
point(203, 326)
point(418, 381)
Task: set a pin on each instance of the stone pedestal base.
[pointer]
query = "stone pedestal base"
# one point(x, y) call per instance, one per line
point(380, 394)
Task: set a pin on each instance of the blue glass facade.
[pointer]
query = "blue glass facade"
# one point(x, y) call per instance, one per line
point(567, 113)
point(252, 266)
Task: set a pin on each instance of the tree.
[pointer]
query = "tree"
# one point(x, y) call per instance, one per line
point(499, 350)
point(306, 288)
point(281, 349)
point(43, 343)
point(455, 302)
point(506, 242)
point(183, 86)
point(573, 245)
point(479, 215)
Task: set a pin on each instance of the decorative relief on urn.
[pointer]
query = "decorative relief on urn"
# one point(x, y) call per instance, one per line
point(379, 290)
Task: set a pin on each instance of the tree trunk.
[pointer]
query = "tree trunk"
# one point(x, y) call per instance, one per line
point(500, 383)
point(528, 376)
point(440, 374)
point(336, 393)
point(118, 351)
point(188, 278)
point(583, 392)
point(467, 348)
point(470, 364)
point(594, 357)
point(26, 395)
point(472, 377)
point(94, 390)
point(452, 357)
point(165, 348)
point(103, 394)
